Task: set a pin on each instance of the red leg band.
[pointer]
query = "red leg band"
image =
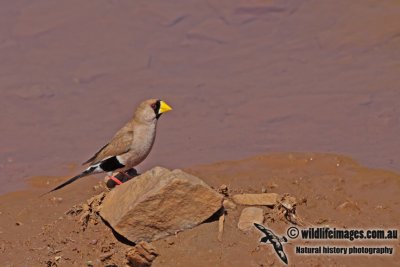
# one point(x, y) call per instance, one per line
point(115, 180)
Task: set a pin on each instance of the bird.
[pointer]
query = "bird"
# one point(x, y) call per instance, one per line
point(129, 146)
point(274, 240)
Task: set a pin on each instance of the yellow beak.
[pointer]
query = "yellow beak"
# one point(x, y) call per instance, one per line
point(164, 107)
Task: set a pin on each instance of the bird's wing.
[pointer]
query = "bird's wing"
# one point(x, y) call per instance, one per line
point(119, 144)
point(281, 254)
point(268, 233)
point(95, 155)
point(260, 227)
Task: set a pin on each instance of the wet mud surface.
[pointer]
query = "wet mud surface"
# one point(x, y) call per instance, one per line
point(244, 77)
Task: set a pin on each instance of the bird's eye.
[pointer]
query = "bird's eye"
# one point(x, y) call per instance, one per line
point(153, 106)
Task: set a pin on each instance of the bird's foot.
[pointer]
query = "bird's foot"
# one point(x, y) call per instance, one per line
point(120, 178)
point(115, 179)
point(127, 176)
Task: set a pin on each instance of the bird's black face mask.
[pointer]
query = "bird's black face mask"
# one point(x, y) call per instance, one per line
point(160, 107)
point(156, 107)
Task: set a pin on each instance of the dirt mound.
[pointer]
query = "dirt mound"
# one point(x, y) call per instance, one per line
point(330, 190)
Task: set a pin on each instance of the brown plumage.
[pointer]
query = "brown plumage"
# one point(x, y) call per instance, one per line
point(118, 145)
point(130, 145)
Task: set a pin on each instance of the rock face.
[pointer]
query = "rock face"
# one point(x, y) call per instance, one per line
point(159, 203)
point(264, 199)
point(249, 216)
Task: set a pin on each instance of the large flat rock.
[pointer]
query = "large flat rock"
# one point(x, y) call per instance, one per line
point(265, 199)
point(159, 203)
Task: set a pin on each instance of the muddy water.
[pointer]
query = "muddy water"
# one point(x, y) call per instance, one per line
point(244, 77)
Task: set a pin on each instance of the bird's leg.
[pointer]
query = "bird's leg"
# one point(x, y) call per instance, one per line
point(115, 179)
point(120, 178)
point(125, 174)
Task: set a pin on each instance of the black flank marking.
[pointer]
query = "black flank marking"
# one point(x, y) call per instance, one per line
point(111, 164)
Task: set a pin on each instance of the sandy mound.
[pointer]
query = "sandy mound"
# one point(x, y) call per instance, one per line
point(330, 191)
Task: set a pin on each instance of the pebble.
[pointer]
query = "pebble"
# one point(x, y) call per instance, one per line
point(229, 204)
point(249, 216)
point(223, 189)
point(170, 241)
point(57, 199)
point(263, 190)
point(106, 255)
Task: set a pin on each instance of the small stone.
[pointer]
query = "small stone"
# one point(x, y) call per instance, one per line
point(229, 205)
point(221, 221)
point(170, 241)
point(107, 255)
point(272, 185)
point(57, 200)
point(265, 199)
point(57, 258)
point(223, 189)
point(249, 216)
point(85, 207)
point(349, 205)
point(89, 263)
point(93, 242)
point(288, 202)
point(287, 207)
point(18, 223)
point(263, 190)
point(142, 255)
point(321, 221)
point(302, 201)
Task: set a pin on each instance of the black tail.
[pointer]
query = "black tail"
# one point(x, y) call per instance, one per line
point(73, 179)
